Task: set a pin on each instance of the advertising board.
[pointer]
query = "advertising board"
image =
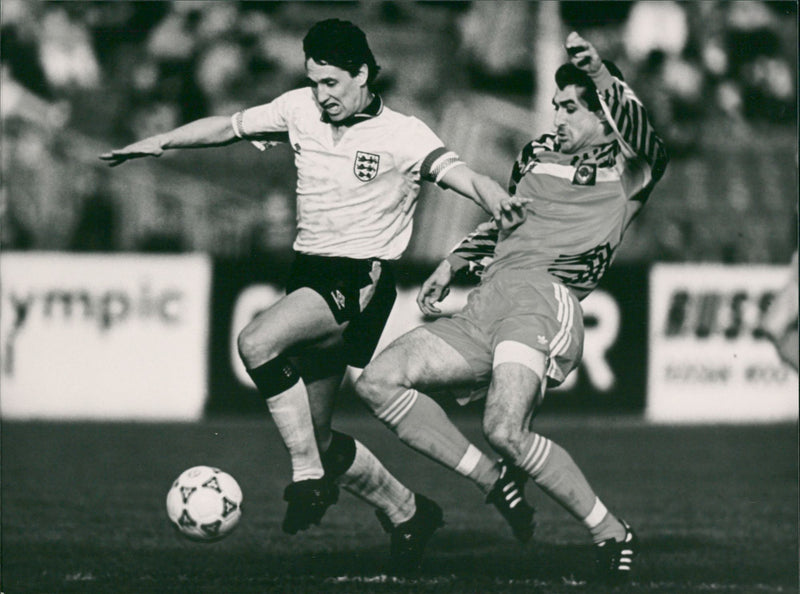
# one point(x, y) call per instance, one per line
point(709, 358)
point(104, 336)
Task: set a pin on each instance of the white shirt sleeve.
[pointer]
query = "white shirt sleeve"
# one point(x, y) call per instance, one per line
point(417, 142)
point(426, 154)
point(264, 120)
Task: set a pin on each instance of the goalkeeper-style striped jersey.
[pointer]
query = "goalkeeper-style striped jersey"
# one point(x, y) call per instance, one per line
point(356, 196)
point(581, 204)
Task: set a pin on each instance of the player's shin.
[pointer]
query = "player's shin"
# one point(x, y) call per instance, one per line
point(356, 468)
point(556, 473)
point(278, 381)
point(422, 424)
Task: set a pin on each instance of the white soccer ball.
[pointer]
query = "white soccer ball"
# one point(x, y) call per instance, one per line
point(204, 503)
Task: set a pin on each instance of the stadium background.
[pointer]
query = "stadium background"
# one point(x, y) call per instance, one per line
point(122, 289)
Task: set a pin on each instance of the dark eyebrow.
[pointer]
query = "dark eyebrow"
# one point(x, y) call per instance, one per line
point(326, 80)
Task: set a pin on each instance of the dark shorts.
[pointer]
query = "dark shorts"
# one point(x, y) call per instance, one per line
point(360, 292)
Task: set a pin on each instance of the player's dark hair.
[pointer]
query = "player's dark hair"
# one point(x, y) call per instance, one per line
point(569, 74)
point(342, 44)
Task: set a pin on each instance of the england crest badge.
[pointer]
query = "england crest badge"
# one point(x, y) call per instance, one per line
point(365, 166)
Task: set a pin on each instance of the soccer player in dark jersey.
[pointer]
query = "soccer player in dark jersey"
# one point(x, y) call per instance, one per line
point(522, 327)
point(359, 168)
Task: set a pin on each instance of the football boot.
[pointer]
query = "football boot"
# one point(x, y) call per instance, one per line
point(308, 500)
point(408, 540)
point(614, 558)
point(508, 496)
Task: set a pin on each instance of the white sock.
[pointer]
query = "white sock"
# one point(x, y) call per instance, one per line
point(292, 416)
point(369, 480)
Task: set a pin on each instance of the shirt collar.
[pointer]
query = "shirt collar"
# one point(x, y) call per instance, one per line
point(372, 110)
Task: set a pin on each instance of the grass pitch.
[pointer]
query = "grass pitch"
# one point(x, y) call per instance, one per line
point(716, 509)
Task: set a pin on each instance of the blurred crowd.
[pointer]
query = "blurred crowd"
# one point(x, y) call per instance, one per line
point(720, 80)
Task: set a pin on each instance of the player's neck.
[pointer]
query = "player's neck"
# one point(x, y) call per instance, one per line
point(369, 107)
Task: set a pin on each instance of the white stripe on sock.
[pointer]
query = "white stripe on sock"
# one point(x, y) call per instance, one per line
point(392, 407)
point(538, 465)
point(395, 412)
point(469, 460)
point(532, 451)
point(537, 455)
point(597, 514)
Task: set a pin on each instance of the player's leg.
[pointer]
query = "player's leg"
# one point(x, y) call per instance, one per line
point(345, 459)
point(409, 518)
point(325, 296)
point(423, 360)
point(390, 385)
point(301, 317)
point(515, 393)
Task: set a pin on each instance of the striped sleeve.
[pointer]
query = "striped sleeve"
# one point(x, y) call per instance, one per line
point(630, 121)
point(438, 162)
point(527, 157)
point(476, 251)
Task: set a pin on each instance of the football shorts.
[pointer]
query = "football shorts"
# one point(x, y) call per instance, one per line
point(529, 308)
point(359, 292)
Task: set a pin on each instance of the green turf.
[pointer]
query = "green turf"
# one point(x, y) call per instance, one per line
point(716, 509)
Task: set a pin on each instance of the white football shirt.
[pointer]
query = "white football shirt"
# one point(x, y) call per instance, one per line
point(355, 197)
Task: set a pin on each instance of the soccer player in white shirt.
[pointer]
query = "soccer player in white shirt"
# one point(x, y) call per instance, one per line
point(359, 168)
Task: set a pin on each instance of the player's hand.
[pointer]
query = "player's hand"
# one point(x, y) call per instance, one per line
point(582, 54)
point(435, 288)
point(511, 212)
point(148, 147)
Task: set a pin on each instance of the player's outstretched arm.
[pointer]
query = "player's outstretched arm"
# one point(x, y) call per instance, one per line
point(205, 132)
point(507, 211)
point(583, 54)
point(625, 111)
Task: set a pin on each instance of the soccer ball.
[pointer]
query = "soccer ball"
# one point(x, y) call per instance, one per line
point(204, 503)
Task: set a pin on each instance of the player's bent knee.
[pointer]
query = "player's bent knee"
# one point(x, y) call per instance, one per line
point(503, 434)
point(373, 387)
point(253, 348)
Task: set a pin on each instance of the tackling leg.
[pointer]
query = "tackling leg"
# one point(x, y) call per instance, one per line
point(390, 386)
point(515, 393)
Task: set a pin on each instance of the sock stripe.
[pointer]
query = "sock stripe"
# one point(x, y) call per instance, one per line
point(398, 409)
point(531, 455)
point(597, 514)
point(526, 460)
point(537, 455)
point(469, 461)
point(392, 407)
point(538, 466)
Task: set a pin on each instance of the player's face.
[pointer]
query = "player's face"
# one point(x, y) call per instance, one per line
point(577, 127)
point(337, 92)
